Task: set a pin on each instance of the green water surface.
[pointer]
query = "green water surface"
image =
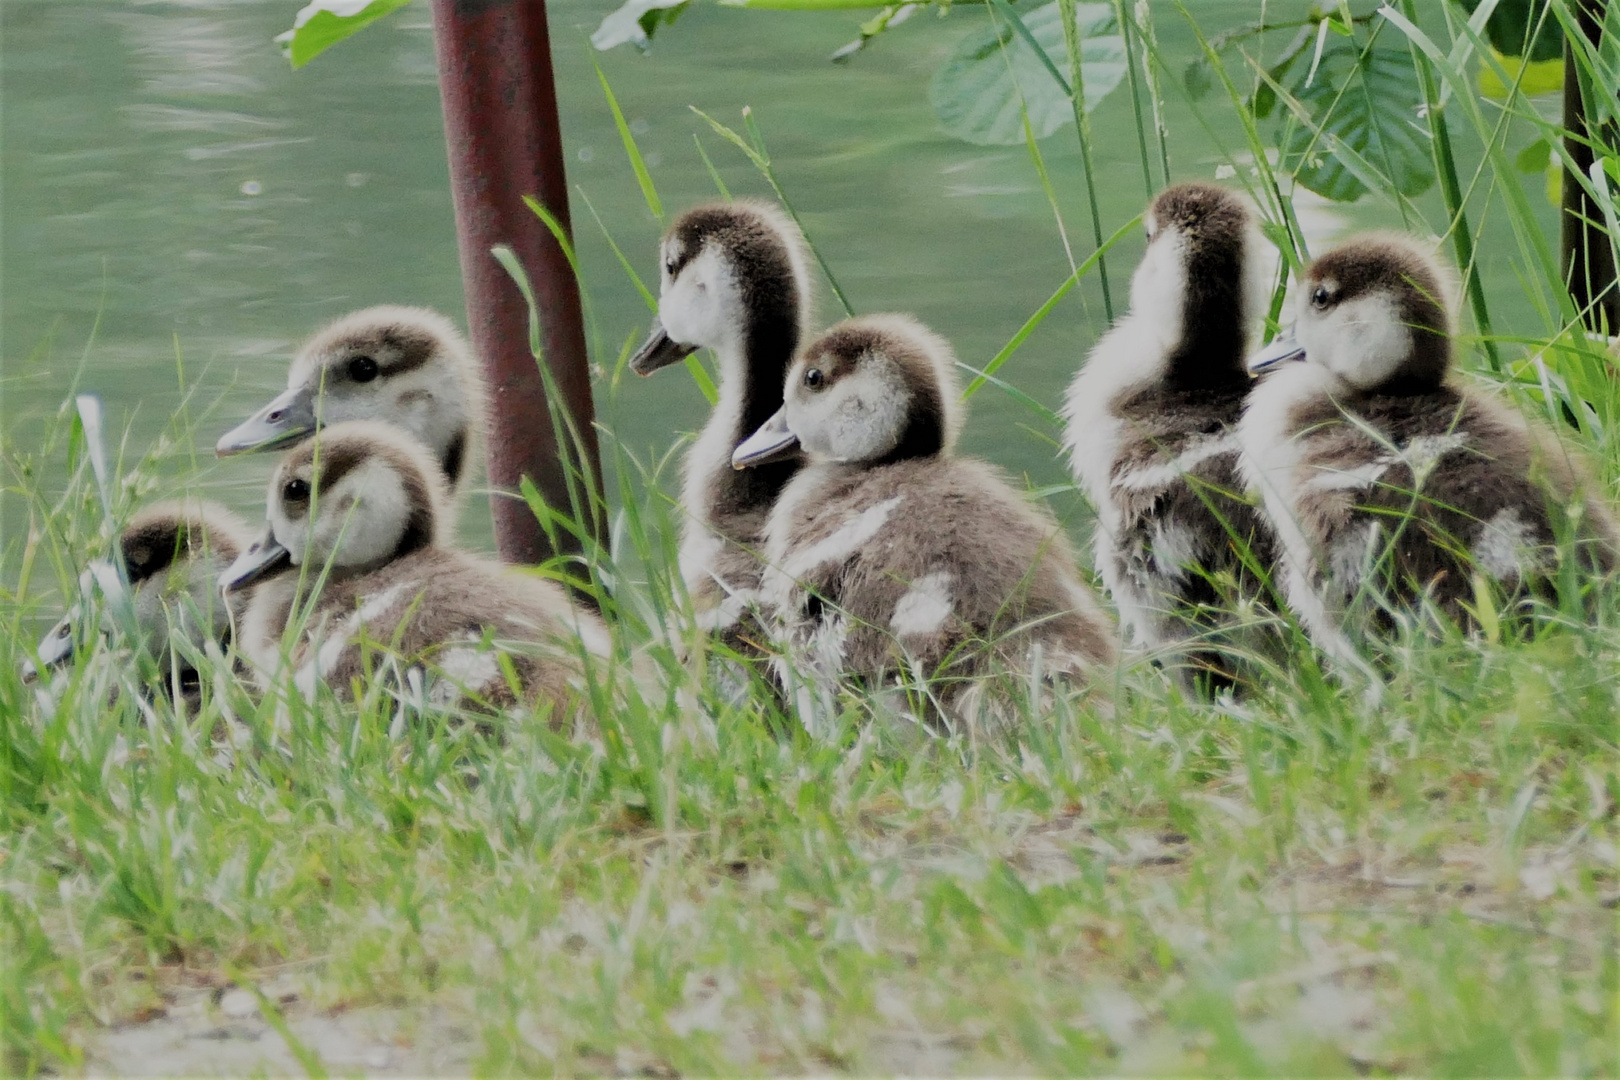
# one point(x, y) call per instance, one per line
point(176, 198)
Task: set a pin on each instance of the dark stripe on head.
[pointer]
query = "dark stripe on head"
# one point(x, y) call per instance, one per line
point(149, 548)
point(396, 348)
point(152, 544)
point(1214, 224)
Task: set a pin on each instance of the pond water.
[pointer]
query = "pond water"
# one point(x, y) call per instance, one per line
point(178, 199)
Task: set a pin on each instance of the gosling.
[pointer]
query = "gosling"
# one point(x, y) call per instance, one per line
point(733, 279)
point(364, 505)
point(172, 554)
point(889, 556)
point(1151, 436)
point(1389, 483)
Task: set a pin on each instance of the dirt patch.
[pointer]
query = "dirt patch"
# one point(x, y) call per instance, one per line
point(208, 1033)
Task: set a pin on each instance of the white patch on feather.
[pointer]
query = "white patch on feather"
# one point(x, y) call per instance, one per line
point(1175, 549)
point(472, 667)
point(842, 542)
point(1154, 477)
point(925, 606)
point(329, 650)
point(1424, 452)
point(1506, 546)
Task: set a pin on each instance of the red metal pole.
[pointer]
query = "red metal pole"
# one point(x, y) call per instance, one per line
point(500, 123)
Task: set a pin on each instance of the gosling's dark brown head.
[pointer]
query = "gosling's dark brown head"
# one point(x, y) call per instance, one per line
point(355, 497)
point(871, 390)
point(406, 366)
point(1373, 312)
point(732, 279)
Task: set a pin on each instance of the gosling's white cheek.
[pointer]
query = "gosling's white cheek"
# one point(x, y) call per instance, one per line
point(1362, 341)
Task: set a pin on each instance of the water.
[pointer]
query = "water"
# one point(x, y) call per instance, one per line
point(177, 198)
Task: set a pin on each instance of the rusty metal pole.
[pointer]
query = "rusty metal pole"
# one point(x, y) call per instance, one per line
point(500, 124)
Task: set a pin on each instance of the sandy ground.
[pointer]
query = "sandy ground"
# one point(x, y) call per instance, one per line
point(207, 1032)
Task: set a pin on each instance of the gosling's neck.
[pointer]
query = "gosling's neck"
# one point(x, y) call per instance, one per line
point(753, 367)
point(1214, 339)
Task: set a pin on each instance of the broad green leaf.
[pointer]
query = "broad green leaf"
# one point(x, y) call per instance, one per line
point(323, 23)
point(1369, 103)
point(1540, 77)
point(635, 22)
point(976, 92)
point(1510, 26)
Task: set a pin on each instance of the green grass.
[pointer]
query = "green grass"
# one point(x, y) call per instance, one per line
point(1300, 883)
point(1296, 884)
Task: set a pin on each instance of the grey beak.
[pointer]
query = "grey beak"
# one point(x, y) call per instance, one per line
point(287, 419)
point(1284, 349)
point(772, 442)
point(658, 351)
point(264, 559)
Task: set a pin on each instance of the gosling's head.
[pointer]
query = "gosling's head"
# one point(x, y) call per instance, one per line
point(404, 366)
point(171, 554)
point(732, 278)
point(1373, 314)
point(355, 497)
point(1203, 279)
point(872, 389)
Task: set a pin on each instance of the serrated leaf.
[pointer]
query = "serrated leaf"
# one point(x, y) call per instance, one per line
point(976, 92)
point(1370, 103)
point(635, 21)
point(323, 23)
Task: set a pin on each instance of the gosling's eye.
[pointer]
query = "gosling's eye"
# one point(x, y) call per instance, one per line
point(362, 369)
point(1320, 297)
point(670, 267)
point(814, 379)
point(295, 490)
point(64, 630)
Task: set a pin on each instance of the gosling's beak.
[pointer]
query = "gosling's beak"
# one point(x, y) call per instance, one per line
point(285, 420)
point(658, 351)
point(264, 559)
point(772, 442)
point(1284, 349)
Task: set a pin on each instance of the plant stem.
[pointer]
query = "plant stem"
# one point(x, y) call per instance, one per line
point(1445, 165)
point(1150, 48)
point(1077, 97)
point(1136, 100)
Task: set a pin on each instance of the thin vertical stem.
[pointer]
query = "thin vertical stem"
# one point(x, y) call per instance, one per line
point(1462, 240)
point(1136, 99)
point(1077, 97)
point(1143, 24)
